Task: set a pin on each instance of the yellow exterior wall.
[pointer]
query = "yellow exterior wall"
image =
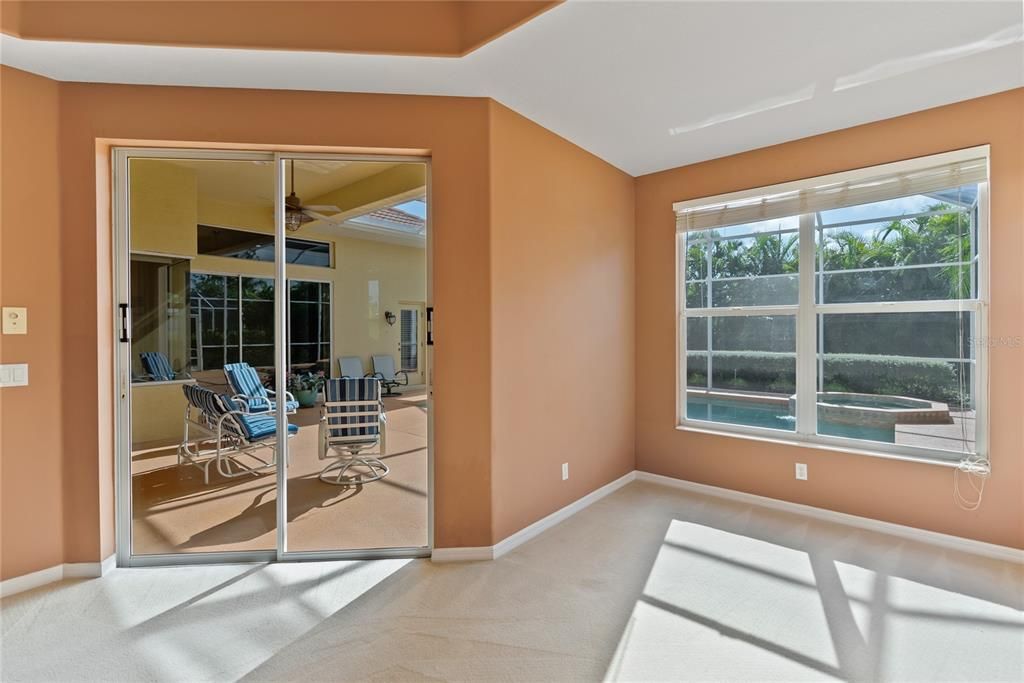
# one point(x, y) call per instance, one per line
point(158, 412)
point(163, 207)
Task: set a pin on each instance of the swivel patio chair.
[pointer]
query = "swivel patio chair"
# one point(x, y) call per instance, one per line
point(352, 367)
point(352, 423)
point(384, 370)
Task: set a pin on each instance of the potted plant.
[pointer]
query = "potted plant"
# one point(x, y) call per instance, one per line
point(305, 386)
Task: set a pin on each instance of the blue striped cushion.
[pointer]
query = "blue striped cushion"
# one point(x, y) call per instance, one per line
point(255, 426)
point(156, 365)
point(252, 427)
point(243, 379)
point(352, 389)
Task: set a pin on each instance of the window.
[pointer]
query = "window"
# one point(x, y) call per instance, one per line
point(257, 246)
point(159, 320)
point(233, 320)
point(840, 310)
point(410, 340)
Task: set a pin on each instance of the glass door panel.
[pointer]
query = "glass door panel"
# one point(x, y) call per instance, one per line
point(196, 307)
point(355, 256)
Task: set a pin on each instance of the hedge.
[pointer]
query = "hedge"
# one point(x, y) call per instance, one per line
point(925, 378)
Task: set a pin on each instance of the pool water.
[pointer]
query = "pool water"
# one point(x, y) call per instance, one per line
point(776, 416)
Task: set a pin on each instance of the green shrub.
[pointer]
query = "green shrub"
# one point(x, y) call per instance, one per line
point(925, 378)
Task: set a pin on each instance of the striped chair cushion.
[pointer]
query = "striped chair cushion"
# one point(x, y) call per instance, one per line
point(243, 379)
point(213, 406)
point(156, 365)
point(258, 426)
point(364, 389)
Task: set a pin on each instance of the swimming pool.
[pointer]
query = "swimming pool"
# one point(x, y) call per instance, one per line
point(775, 415)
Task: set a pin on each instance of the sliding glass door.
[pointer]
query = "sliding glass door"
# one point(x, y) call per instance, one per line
point(249, 287)
point(357, 476)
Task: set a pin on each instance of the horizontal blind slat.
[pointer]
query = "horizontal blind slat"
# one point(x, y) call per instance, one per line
point(829, 196)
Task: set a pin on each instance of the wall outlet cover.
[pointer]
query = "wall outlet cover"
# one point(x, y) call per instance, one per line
point(801, 471)
point(15, 320)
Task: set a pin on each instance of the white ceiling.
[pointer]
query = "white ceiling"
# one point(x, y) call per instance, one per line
point(644, 85)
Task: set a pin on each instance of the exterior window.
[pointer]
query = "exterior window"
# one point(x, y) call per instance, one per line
point(409, 340)
point(841, 310)
point(233, 319)
point(159, 305)
point(257, 246)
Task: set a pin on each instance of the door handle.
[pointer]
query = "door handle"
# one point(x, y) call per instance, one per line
point(124, 322)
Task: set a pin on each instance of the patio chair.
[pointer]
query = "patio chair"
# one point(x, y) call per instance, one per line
point(246, 386)
point(238, 435)
point(158, 368)
point(384, 370)
point(352, 422)
point(352, 367)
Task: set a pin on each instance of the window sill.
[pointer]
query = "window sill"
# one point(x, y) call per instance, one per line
point(815, 442)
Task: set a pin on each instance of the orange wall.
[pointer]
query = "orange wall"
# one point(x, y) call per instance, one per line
point(408, 27)
point(908, 493)
point(562, 321)
point(72, 338)
point(31, 470)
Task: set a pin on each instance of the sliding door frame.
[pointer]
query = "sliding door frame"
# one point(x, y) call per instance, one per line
point(120, 158)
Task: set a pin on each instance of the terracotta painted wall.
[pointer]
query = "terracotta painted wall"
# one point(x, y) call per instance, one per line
point(407, 27)
point(562, 321)
point(78, 342)
point(908, 493)
point(31, 534)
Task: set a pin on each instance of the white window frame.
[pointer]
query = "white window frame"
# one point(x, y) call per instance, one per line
point(807, 310)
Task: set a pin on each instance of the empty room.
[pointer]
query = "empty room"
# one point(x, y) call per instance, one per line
point(519, 340)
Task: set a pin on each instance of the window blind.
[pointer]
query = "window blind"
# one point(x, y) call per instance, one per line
point(823, 194)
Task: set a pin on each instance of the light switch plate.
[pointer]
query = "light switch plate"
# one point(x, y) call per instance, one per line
point(15, 320)
point(14, 375)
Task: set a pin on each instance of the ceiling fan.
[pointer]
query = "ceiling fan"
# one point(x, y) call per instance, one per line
point(296, 215)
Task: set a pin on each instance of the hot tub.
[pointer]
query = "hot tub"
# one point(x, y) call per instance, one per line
point(876, 410)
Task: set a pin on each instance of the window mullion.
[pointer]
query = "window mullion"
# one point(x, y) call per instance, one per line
point(806, 333)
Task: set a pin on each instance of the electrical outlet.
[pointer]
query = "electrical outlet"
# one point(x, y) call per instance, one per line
point(801, 471)
point(15, 320)
point(565, 471)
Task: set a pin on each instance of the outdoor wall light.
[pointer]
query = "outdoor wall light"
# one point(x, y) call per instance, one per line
point(389, 317)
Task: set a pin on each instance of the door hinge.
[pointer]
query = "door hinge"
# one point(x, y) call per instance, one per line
point(430, 325)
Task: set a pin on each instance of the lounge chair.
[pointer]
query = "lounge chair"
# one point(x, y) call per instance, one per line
point(246, 386)
point(238, 435)
point(158, 368)
point(352, 421)
point(352, 367)
point(384, 370)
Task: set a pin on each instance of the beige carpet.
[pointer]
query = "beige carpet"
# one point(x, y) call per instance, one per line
point(647, 584)
point(174, 511)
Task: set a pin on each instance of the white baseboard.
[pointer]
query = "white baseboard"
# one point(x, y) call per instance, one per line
point(42, 577)
point(27, 582)
point(71, 570)
point(493, 552)
point(967, 545)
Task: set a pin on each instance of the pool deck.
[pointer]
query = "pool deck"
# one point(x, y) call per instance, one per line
point(945, 436)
